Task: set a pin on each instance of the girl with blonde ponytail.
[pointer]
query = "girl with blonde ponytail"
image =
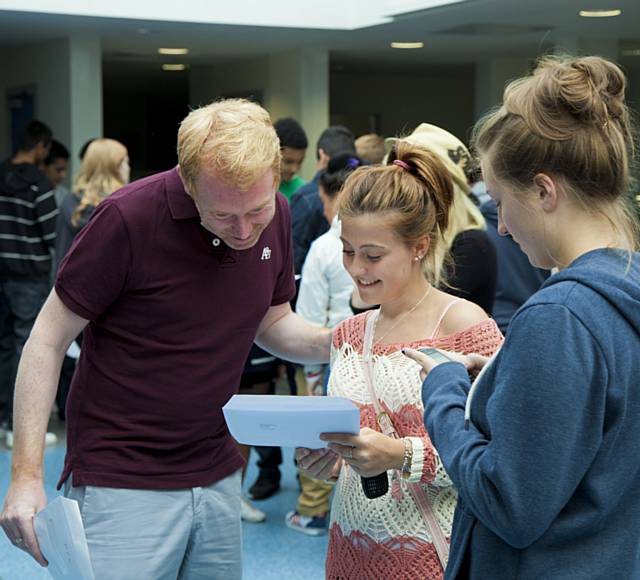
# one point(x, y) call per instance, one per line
point(393, 222)
point(466, 264)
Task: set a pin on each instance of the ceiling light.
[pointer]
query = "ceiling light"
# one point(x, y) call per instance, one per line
point(600, 13)
point(631, 52)
point(173, 51)
point(407, 45)
point(174, 66)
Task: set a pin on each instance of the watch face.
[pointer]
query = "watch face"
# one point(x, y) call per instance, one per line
point(408, 456)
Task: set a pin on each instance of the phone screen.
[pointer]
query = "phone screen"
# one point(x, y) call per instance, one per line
point(435, 354)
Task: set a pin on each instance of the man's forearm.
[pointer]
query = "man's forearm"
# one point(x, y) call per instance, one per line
point(294, 339)
point(36, 386)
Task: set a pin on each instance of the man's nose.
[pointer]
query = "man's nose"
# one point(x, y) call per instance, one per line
point(243, 228)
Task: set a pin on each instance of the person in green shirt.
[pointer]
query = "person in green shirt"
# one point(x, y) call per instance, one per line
point(293, 147)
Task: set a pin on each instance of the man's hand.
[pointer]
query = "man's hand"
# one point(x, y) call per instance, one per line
point(319, 463)
point(315, 384)
point(24, 500)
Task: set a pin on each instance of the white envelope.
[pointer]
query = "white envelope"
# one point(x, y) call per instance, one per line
point(284, 421)
point(62, 541)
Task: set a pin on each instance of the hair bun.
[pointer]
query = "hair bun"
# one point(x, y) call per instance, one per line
point(591, 88)
point(564, 94)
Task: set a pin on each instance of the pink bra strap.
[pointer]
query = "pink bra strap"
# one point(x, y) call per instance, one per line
point(436, 330)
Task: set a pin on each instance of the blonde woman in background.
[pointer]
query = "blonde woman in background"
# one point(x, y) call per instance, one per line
point(104, 169)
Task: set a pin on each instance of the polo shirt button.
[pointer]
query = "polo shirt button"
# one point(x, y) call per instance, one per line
point(215, 242)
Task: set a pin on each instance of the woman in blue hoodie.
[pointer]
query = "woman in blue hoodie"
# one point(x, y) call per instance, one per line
point(544, 447)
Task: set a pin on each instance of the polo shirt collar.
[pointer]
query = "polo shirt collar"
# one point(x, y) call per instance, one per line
point(180, 203)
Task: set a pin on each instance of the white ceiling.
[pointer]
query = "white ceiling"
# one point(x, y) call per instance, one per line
point(460, 33)
point(323, 14)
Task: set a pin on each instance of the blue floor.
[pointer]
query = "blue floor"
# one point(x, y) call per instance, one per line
point(271, 550)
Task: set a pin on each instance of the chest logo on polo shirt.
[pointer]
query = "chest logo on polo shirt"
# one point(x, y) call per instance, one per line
point(266, 253)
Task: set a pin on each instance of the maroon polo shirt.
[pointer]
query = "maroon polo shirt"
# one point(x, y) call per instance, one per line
point(173, 312)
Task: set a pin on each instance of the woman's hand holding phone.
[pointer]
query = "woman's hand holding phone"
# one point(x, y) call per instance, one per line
point(429, 358)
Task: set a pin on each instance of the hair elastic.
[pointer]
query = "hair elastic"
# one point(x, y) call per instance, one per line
point(401, 163)
point(353, 162)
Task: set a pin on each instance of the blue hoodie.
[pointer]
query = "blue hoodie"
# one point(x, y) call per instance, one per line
point(548, 471)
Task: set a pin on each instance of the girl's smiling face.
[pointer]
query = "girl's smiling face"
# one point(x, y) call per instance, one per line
point(380, 263)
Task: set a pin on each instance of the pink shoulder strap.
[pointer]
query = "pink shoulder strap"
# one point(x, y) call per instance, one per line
point(436, 330)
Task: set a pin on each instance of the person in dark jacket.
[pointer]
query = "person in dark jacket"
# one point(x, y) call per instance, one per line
point(27, 232)
point(543, 447)
point(55, 167)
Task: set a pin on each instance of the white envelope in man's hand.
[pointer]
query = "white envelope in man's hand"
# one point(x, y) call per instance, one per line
point(62, 541)
point(285, 421)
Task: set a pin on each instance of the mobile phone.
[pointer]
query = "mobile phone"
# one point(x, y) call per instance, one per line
point(436, 354)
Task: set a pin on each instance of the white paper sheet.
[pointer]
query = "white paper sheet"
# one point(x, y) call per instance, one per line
point(73, 351)
point(283, 421)
point(62, 541)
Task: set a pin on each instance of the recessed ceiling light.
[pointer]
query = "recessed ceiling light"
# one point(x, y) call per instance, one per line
point(600, 13)
point(407, 45)
point(174, 67)
point(173, 51)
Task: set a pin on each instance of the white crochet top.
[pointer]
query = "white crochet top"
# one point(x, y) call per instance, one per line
point(361, 527)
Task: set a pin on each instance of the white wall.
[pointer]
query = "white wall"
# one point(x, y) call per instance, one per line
point(85, 88)
point(67, 77)
point(298, 87)
point(45, 67)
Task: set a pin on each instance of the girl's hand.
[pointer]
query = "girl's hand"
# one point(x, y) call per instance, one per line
point(368, 453)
